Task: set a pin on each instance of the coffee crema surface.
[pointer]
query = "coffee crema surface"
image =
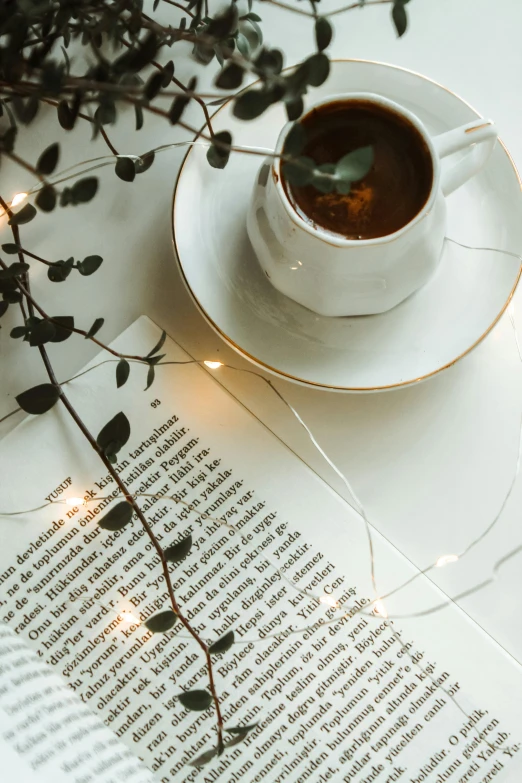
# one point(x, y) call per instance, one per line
point(393, 192)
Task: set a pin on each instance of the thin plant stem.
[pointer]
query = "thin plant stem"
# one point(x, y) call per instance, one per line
point(127, 495)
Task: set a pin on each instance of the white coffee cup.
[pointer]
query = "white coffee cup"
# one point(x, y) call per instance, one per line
point(335, 276)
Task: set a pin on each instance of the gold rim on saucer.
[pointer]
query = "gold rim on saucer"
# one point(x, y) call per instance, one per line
point(304, 381)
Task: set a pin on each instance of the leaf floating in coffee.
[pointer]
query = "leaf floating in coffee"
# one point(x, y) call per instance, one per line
point(365, 170)
point(355, 165)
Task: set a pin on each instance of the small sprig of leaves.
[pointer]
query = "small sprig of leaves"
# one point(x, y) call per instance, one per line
point(301, 170)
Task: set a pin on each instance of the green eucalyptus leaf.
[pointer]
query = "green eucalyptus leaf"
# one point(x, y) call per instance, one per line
point(196, 700)
point(42, 332)
point(180, 102)
point(4, 306)
point(161, 622)
point(117, 517)
point(97, 325)
point(139, 116)
point(59, 271)
point(323, 33)
point(17, 331)
point(294, 108)
point(122, 372)
point(14, 270)
point(63, 326)
point(66, 117)
point(7, 141)
point(216, 155)
point(13, 297)
point(323, 183)
point(204, 758)
point(84, 190)
point(46, 198)
point(295, 140)
point(124, 168)
point(343, 187)
point(39, 399)
point(178, 551)
point(114, 435)
point(167, 73)
point(269, 61)
point(300, 171)
point(236, 739)
point(145, 162)
point(242, 729)
point(318, 69)
point(355, 165)
point(224, 23)
point(400, 18)
point(151, 374)
point(153, 85)
point(159, 344)
point(24, 215)
point(251, 104)
point(255, 36)
point(10, 248)
point(243, 45)
point(223, 644)
point(89, 265)
point(48, 160)
point(66, 197)
point(177, 108)
point(231, 77)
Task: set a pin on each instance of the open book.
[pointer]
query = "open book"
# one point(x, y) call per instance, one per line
point(341, 687)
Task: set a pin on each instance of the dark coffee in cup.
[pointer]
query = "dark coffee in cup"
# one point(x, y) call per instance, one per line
point(393, 192)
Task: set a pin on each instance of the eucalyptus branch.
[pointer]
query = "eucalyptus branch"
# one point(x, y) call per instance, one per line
point(33, 304)
point(185, 89)
point(80, 114)
point(156, 544)
point(90, 85)
point(36, 258)
point(127, 495)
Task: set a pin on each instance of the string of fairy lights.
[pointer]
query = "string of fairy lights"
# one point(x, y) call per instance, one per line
point(378, 606)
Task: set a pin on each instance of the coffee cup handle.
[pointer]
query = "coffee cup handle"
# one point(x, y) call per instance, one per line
point(480, 136)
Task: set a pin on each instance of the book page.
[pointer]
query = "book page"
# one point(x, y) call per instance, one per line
point(340, 688)
point(46, 734)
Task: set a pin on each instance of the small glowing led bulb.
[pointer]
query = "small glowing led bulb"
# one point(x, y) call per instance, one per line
point(18, 198)
point(129, 617)
point(329, 600)
point(445, 559)
point(379, 608)
point(75, 501)
point(213, 365)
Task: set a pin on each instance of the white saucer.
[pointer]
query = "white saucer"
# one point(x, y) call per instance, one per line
point(422, 336)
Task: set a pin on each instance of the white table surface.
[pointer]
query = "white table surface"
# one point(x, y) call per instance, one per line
point(431, 463)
